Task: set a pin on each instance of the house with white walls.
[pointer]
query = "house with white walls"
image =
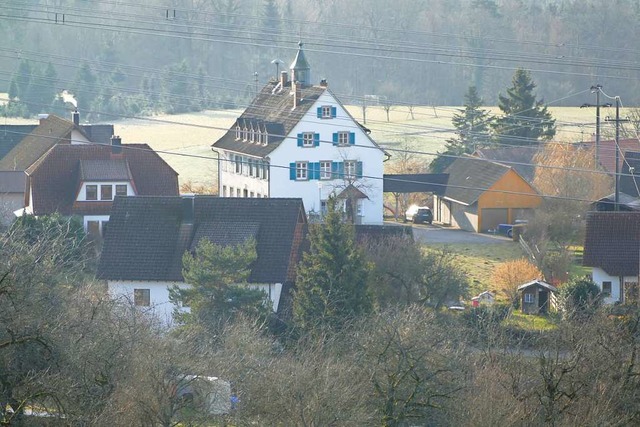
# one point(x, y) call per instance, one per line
point(22, 145)
point(142, 252)
point(84, 179)
point(298, 140)
point(612, 249)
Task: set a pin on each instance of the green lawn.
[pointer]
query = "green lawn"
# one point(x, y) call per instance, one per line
point(479, 260)
point(531, 322)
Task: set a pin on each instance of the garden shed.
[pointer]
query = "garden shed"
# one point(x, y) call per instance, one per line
point(537, 297)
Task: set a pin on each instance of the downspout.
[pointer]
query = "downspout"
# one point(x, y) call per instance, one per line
point(219, 172)
point(268, 176)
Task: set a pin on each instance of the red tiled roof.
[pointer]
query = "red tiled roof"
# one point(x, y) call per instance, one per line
point(607, 153)
point(55, 178)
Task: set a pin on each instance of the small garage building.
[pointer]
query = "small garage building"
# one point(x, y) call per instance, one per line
point(481, 194)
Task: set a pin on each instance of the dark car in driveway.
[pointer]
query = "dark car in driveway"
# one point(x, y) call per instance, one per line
point(423, 215)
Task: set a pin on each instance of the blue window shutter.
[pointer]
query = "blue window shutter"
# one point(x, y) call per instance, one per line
point(340, 170)
point(316, 170)
point(319, 110)
point(292, 171)
point(333, 112)
point(358, 169)
point(352, 138)
point(334, 170)
point(316, 139)
point(299, 140)
point(335, 138)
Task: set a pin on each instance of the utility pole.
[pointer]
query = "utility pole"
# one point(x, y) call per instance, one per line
point(618, 120)
point(597, 88)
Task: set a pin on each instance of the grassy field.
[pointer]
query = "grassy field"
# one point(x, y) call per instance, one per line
point(425, 129)
point(479, 261)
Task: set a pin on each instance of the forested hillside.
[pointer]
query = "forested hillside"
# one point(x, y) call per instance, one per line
point(121, 58)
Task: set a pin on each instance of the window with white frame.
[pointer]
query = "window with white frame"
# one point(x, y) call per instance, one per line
point(343, 138)
point(307, 139)
point(529, 298)
point(325, 169)
point(238, 162)
point(121, 189)
point(91, 192)
point(302, 171)
point(238, 132)
point(326, 111)
point(350, 169)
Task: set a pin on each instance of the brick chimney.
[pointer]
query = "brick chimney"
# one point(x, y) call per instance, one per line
point(116, 145)
point(296, 90)
point(323, 83)
point(283, 78)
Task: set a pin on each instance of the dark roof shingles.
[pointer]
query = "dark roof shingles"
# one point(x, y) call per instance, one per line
point(54, 179)
point(275, 108)
point(469, 177)
point(142, 242)
point(612, 242)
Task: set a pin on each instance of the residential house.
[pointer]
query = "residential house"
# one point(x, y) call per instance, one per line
point(481, 194)
point(22, 145)
point(12, 185)
point(612, 249)
point(142, 252)
point(537, 297)
point(607, 150)
point(297, 140)
point(83, 180)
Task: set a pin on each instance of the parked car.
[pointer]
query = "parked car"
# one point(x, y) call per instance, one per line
point(419, 214)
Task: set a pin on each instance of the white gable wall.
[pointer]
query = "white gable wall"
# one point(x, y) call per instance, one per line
point(599, 276)
point(161, 307)
point(311, 191)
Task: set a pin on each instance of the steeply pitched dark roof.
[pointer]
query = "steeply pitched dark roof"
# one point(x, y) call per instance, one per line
point(12, 182)
point(415, 183)
point(55, 178)
point(11, 135)
point(274, 107)
point(612, 242)
point(100, 134)
point(469, 177)
point(52, 130)
point(630, 177)
point(105, 170)
point(147, 235)
point(519, 158)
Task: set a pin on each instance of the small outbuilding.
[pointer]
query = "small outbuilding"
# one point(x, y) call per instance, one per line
point(483, 298)
point(537, 297)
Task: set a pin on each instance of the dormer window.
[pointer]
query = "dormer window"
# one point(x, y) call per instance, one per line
point(238, 131)
point(91, 192)
point(245, 134)
point(106, 192)
point(121, 189)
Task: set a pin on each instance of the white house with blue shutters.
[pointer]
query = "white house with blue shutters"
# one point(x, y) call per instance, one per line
point(298, 140)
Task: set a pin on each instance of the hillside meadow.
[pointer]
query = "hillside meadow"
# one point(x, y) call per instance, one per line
point(184, 140)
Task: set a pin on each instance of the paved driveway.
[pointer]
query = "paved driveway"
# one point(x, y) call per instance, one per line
point(424, 233)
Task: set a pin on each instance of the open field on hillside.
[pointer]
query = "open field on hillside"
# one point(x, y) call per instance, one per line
point(425, 130)
point(479, 261)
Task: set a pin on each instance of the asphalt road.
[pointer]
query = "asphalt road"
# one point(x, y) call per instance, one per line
point(425, 233)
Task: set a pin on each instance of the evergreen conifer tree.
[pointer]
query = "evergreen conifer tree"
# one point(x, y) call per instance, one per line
point(472, 128)
point(331, 286)
point(525, 120)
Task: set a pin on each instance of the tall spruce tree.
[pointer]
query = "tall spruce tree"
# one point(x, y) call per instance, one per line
point(525, 120)
point(332, 277)
point(219, 293)
point(472, 129)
